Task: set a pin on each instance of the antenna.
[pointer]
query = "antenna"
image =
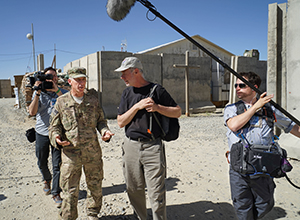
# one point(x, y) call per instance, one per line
point(124, 45)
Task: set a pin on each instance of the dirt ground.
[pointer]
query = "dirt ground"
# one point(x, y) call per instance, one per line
point(197, 174)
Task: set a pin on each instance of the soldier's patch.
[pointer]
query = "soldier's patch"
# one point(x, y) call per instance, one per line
point(53, 114)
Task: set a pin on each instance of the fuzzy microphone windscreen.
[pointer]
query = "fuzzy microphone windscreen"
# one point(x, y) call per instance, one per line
point(118, 9)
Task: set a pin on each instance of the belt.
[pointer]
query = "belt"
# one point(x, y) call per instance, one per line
point(141, 139)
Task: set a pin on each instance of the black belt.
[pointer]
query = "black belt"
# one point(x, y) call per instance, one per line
point(141, 139)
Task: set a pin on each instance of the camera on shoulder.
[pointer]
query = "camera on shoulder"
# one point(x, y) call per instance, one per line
point(41, 76)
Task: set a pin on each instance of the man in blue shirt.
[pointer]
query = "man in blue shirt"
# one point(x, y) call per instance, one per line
point(253, 197)
point(41, 106)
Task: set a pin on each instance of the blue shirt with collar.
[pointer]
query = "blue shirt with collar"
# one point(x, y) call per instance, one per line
point(258, 132)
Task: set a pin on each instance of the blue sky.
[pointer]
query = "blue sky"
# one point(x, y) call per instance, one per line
point(80, 27)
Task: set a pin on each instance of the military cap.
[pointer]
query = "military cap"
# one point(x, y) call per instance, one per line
point(77, 72)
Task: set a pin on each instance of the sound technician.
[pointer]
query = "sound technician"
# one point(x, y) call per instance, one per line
point(253, 197)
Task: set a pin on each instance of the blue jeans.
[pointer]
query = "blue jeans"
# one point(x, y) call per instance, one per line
point(42, 153)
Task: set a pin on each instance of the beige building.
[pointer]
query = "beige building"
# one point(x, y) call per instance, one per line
point(220, 81)
point(182, 45)
point(5, 88)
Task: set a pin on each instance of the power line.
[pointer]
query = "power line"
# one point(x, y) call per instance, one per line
point(13, 54)
point(40, 52)
point(19, 54)
point(71, 52)
point(22, 58)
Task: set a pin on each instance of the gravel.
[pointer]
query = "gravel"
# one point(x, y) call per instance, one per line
point(197, 174)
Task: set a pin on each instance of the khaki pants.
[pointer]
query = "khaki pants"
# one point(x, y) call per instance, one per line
point(145, 164)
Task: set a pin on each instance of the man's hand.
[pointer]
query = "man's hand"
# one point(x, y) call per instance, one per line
point(239, 121)
point(107, 135)
point(264, 99)
point(148, 104)
point(54, 86)
point(37, 83)
point(60, 142)
point(169, 111)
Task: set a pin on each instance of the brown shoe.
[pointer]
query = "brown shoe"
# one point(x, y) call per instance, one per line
point(58, 201)
point(47, 188)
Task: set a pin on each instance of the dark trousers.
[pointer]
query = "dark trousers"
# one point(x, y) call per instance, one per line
point(252, 198)
point(42, 153)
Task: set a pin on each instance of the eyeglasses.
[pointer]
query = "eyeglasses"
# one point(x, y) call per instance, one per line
point(241, 85)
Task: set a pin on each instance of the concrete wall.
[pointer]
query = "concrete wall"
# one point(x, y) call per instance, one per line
point(157, 68)
point(220, 88)
point(199, 80)
point(292, 41)
point(5, 88)
point(276, 77)
point(247, 64)
point(18, 80)
point(40, 62)
point(293, 58)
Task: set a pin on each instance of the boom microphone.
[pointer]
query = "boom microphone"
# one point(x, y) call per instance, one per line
point(118, 9)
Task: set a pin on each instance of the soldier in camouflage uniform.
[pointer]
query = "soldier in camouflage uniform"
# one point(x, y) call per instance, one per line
point(74, 120)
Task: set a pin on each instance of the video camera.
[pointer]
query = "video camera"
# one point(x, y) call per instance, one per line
point(41, 76)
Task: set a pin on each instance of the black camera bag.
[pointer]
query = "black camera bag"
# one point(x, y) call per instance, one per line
point(259, 160)
point(30, 134)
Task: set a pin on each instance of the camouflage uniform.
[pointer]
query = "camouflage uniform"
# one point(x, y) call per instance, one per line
point(77, 124)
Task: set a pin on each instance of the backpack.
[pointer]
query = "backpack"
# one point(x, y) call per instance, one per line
point(169, 126)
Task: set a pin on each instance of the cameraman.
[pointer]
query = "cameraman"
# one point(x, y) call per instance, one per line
point(41, 106)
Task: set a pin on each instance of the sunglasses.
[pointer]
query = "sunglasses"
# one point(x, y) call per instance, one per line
point(241, 85)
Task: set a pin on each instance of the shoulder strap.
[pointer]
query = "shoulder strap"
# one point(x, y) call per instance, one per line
point(153, 114)
point(267, 113)
point(152, 90)
point(241, 108)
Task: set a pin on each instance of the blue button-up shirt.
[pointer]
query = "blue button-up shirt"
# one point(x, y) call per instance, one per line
point(258, 132)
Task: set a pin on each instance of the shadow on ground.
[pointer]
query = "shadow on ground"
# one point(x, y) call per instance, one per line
point(170, 185)
point(201, 210)
point(196, 210)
